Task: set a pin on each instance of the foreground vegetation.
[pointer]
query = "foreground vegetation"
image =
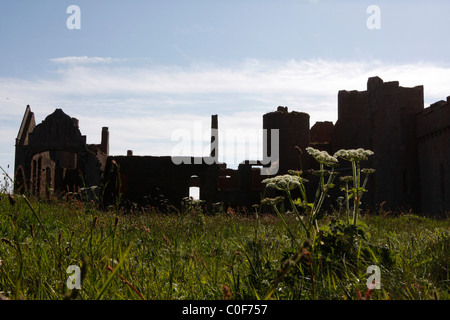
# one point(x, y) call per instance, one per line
point(70, 249)
point(145, 254)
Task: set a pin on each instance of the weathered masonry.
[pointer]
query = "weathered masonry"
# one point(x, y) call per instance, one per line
point(433, 143)
point(411, 145)
point(53, 156)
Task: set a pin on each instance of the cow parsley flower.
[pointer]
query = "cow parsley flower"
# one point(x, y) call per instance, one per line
point(353, 154)
point(285, 182)
point(272, 201)
point(368, 171)
point(323, 157)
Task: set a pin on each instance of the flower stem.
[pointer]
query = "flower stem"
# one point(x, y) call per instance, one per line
point(297, 213)
point(347, 202)
point(285, 224)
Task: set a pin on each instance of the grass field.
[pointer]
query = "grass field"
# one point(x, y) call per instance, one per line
point(226, 255)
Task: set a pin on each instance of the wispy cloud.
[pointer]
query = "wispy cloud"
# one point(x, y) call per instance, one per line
point(84, 60)
point(87, 76)
point(256, 85)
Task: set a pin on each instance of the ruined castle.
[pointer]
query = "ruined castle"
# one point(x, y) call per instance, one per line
point(411, 145)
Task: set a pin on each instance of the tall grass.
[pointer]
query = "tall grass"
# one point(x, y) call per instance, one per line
point(149, 255)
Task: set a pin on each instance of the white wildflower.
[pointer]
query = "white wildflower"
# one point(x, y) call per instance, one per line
point(285, 182)
point(323, 157)
point(353, 154)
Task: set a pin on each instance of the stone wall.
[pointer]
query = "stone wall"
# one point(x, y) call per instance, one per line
point(53, 157)
point(157, 181)
point(433, 136)
point(382, 119)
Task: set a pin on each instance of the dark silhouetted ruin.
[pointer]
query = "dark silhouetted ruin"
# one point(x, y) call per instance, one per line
point(53, 156)
point(411, 145)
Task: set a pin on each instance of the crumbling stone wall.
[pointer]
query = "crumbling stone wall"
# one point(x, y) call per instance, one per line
point(433, 137)
point(392, 109)
point(157, 181)
point(321, 134)
point(382, 119)
point(53, 157)
point(350, 129)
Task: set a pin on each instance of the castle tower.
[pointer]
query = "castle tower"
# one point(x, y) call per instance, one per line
point(293, 128)
point(392, 110)
point(382, 119)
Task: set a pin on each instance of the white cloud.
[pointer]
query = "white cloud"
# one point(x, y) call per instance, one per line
point(84, 60)
point(303, 81)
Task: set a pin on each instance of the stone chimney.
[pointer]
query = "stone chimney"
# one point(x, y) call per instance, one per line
point(214, 138)
point(105, 141)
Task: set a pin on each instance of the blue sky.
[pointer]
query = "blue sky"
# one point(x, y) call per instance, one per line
point(148, 68)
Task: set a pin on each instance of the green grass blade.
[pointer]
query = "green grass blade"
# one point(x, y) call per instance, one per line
point(113, 273)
